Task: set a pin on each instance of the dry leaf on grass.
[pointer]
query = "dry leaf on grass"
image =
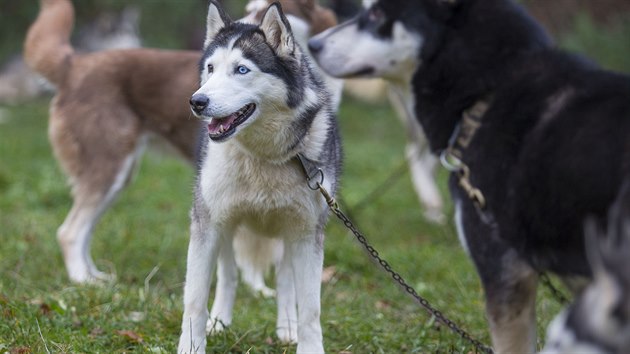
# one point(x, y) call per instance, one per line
point(131, 335)
point(328, 273)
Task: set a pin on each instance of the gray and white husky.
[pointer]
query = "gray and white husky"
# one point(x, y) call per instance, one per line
point(264, 106)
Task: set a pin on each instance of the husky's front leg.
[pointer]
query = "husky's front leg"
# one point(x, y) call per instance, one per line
point(202, 254)
point(307, 258)
point(227, 281)
point(286, 327)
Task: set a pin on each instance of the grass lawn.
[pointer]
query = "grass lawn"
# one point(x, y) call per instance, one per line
point(143, 240)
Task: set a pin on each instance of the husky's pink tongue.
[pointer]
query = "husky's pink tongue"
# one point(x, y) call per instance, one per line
point(220, 125)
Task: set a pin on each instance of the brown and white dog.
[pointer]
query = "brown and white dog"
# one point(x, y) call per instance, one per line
point(107, 104)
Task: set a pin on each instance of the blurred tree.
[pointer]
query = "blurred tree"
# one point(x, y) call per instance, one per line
point(164, 23)
point(180, 23)
point(559, 16)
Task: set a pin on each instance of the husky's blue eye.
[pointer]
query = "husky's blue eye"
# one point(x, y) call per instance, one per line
point(242, 69)
point(210, 68)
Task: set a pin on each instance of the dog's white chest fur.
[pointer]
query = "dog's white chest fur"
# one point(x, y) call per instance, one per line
point(241, 189)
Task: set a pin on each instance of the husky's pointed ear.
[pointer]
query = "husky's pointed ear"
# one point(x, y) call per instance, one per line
point(217, 19)
point(277, 30)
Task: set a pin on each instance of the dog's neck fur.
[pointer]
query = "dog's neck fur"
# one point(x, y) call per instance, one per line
point(276, 143)
point(479, 69)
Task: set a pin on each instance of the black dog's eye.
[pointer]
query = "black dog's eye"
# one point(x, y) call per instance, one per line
point(375, 21)
point(375, 15)
point(210, 68)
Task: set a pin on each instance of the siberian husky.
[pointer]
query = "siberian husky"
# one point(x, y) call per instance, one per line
point(107, 103)
point(538, 139)
point(266, 109)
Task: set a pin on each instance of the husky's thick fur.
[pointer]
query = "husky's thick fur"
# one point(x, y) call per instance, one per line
point(106, 104)
point(264, 105)
point(552, 147)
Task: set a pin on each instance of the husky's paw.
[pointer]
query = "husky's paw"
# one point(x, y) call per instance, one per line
point(215, 326)
point(287, 334)
point(93, 277)
point(99, 276)
point(186, 346)
point(435, 216)
point(266, 292)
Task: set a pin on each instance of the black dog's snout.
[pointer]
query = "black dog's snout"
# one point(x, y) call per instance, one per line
point(315, 45)
point(199, 102)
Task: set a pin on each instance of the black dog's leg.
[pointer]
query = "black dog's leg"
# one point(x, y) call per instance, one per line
point(509, 282)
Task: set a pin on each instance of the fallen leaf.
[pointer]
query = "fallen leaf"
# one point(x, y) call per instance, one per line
point(382, 305)
point(131, 335)
point(328, 274)
point(20, 350)
point(96, 331)
point(45, 309)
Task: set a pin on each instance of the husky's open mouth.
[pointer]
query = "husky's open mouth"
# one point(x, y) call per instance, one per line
point(221, 128)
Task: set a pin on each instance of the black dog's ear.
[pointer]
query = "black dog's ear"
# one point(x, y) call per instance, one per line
point(217, 19)
point(277, 30)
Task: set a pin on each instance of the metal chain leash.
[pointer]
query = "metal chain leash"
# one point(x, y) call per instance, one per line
point(315, 179)
point(401, 281)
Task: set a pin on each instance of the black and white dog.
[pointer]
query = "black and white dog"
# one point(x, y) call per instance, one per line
point(538, 139)
point(266, 110)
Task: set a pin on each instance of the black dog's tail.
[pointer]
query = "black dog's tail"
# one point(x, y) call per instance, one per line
point(47, 48)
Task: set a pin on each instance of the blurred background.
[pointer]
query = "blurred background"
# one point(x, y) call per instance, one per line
point(598, 28)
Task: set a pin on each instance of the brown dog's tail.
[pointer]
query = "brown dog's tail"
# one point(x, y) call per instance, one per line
point(47, 48)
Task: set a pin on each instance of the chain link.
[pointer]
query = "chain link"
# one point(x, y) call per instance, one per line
point(398, 278)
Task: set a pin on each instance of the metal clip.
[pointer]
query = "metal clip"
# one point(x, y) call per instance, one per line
point(450, 161)
point(473, 193)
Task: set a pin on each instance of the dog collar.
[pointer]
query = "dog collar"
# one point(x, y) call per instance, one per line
point(314, 174)
point(451, 157)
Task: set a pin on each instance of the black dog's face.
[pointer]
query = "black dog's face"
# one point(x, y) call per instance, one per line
point(387, 39)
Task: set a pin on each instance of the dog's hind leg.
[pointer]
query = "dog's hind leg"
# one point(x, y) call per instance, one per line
point(75, 234)
point(227, 281)
point(422, 167)
point(511, 309)
point(254, 256)
point(419, 157)
point(509, 282)
point(74, 237)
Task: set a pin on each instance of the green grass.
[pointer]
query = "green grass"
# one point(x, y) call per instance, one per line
point(143, 239)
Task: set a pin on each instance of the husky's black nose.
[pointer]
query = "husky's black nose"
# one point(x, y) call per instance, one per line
point(315, 45)
point(199, 102)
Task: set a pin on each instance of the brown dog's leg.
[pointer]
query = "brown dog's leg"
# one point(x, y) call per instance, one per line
point(98, 151)
point(75, 233)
